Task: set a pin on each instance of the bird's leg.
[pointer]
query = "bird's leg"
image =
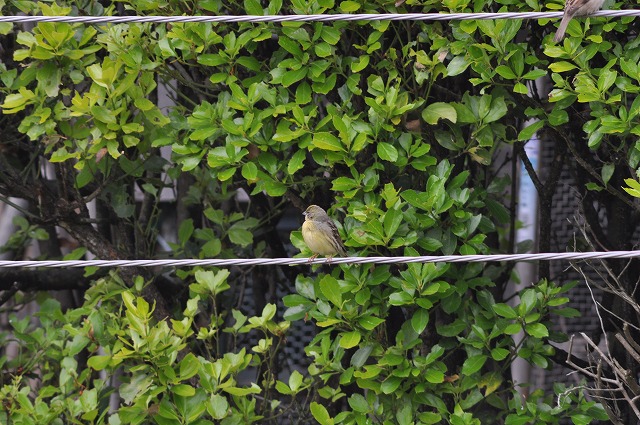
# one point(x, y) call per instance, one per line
point(313, 257)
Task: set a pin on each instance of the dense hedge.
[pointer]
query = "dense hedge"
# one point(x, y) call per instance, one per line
point(404, 130)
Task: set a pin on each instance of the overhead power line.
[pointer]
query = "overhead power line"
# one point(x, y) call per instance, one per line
point(307, 18)
point(227, 262)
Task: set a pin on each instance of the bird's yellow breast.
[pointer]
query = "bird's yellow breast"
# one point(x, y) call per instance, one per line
point(316, 240)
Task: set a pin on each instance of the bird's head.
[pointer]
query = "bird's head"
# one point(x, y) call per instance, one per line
point(314, 212)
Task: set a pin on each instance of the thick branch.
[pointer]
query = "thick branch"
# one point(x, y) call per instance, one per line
point(44, 279)
point(545, 193)
point(9, 293)
point(101, 247)
point(518, 147)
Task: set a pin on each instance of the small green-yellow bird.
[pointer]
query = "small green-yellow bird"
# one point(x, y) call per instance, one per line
point(321, 234)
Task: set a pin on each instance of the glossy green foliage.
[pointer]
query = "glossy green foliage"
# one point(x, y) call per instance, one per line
point(159, 379)
point(396, 126)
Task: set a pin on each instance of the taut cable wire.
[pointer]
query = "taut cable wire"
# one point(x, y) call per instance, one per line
point(308, 18)
point(544, 256)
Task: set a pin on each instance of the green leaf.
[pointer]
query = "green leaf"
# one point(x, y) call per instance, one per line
point(214, 282)
point(5, 28)
point(392, 220)
point(185, 231)
point(528, 132)
point(498, 109)
point(554, 302)
point(390, 385)
point(77, 344)
point(211, 59)
point(607, 172)
point(606, 79)
point(361, 356)
point(527, 302)
point(434, 376)
point(537, 330)
point(342, 184)
point(295, 380)
point(581, 419)
point(324, 87)
point(327, 141)
point(103, 114)
point(418, 199)
point(358, 403)
point(452, 329)
point(243, 391)
point(512, 329)
point(166, 410)
point(291, 77)
point(419, 320)
point(218, 406)
point(350, 339)
point(189, 366)
point(457, 65)
point(291, 46)
point(322, 50)
point(360, 64)
point(473, 364)
point(387, 152)
point(138, 384)
point(404, 414)
point(513, 419)
point(99, 362)
point(369, 322)
point(144, 104)
point(534, 74)
point(239, 235)
point(330, 34)
point(49, 78)
point(250, 171)
point(505, 72)
point(283, 388)
point(331, 290)
point(253, 7)
point(274, 188)
point(439, 110)
point(250, 63)
point(303, 93)
point(183, 390)
point(562, 66)
point(499, 354)
point(349, 6)
point(296, 162)
point(320, 414)
point(539, 361)
point(14, 102)
point(634, 187)
point(520, 88)
point(505, 311)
